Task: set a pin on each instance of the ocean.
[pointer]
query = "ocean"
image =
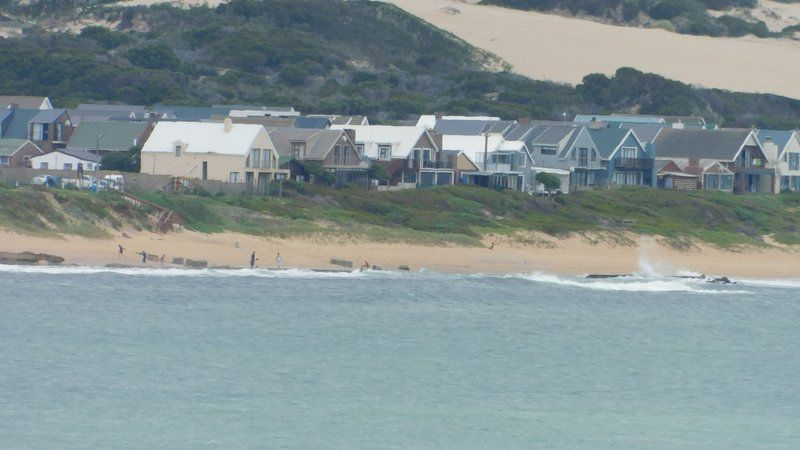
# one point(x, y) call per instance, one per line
point(141, 358)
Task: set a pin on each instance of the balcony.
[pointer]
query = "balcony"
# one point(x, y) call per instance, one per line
point(498, 167)
point(634, 163)
point(415, 164)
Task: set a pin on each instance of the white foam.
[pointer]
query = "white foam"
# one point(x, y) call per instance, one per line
point(630, 284)
point(180, 272)
point(787, 284)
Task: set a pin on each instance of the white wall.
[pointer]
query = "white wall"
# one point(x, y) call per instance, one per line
point(57, 160)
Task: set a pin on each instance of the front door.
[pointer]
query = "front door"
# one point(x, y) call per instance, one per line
point(205, 170)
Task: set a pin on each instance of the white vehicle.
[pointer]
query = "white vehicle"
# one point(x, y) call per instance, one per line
point(85, 182)
point(116, 182)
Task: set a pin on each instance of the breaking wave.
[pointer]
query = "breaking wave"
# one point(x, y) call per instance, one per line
point(181, 272)
point(635, 283)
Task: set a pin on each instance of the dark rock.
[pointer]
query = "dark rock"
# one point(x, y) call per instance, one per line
point(341, 262)
point(29, 258)
point(405, 268)
point(196, 264)
point(177, 261)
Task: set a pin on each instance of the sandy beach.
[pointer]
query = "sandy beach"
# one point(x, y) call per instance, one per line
point(563, 49)
point(535, 253)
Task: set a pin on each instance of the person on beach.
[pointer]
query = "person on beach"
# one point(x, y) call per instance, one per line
point(492, 246)
point(162, 259)
point(121, 250)
point(144, 257)
point(253, 260)
point(279, 261)
point(365, 266)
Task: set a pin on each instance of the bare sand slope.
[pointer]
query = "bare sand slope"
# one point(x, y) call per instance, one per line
point(571, 256)
point(551, 47)
point(180, 3)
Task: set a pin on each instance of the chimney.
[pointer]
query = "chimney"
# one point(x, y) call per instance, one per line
point(524, 120)
point(437, 139)
point(227, 124)
point(438, 116)
point(351, 133)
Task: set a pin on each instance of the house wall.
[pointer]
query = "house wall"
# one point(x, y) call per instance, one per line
point(648, 177)
point(353, 159)
point(50, 143)
point(21, 156)
point(787, 178)
point(550, 161)
point(56, 161)
point(584, 140)
point(190, 165)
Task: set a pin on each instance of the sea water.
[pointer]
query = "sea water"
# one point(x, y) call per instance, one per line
point(115, 358)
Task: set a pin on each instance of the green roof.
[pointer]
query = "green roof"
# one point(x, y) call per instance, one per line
point(9, 146)
point(115, 136)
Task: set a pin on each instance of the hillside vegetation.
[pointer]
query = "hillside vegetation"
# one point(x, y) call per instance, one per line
point(682, 16)
point(454, 215)
point(323, 56)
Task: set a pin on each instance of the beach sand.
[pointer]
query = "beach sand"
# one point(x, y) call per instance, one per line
point(563, 49)
point(533, 253)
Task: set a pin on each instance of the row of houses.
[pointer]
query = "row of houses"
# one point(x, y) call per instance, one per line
point(257, 144)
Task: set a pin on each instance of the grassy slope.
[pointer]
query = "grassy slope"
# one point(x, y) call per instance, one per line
point(328, 56)
point(454, 215)
point(463, 214)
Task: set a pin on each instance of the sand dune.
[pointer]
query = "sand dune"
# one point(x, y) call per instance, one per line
point(180, 3)
point(551, 47)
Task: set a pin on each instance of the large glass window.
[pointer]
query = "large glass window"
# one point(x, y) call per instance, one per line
point(794, 161)
point(299, 150)
point(385, 151)
point(549, 150)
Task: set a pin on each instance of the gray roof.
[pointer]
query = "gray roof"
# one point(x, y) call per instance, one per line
point(22, 101)
point(257, 107)
point(47, 116)
point(115, 136)
point(607, 140)
point(319, 123)
point(645, 132)
point(571, 141)
point(779, 137)
point(318, 142)
point(18, 125)
point(553, 135)
point(81, 154)
point(195, 113)
point(10, 146)
point(722, 145)
point(137, 109)
point(458, 127)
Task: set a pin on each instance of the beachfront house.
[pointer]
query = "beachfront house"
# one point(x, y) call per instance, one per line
point(17, 152)
point(236, 153)
point(546, 143)
point(304, 151)
point(109, 136)
point(728, 160)
point(410, 155)
point(782, 149)
point(64, 159)
point(50, 129)
point(672, 178)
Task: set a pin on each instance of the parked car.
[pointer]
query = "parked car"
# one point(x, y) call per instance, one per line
point(46, 180)
point(116, 182)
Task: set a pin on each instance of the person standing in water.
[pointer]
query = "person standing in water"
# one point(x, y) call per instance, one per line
point(279, 261)
point(253, 260)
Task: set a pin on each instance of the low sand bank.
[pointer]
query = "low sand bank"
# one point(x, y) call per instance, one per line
point(534, 253)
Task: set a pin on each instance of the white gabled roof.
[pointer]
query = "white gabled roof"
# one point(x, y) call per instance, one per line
point(403, 139)
point(429, 120)
point(203, 137)
point(511, 146)
point(471, 145)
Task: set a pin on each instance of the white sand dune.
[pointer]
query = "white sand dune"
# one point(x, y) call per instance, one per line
point(551, 47)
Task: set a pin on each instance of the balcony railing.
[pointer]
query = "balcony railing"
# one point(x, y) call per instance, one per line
point(416, 164)
point(634, 163)
point(258, 164)
point(498, 167)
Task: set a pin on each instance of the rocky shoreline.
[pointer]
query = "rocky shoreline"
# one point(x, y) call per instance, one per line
point(29, 259)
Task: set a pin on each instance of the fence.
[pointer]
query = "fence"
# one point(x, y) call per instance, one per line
point(134, 182)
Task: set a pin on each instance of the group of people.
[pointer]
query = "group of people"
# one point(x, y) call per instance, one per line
point(121, 252)
point(278, 260)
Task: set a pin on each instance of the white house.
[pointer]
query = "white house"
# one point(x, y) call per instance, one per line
point(64, 159)
point(237, 153)
point(410, 155)
point(782, 149)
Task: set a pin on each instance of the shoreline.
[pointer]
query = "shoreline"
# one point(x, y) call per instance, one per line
point(531, 253)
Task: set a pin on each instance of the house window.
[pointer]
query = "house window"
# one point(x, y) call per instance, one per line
point(549, 151)
point(267, 158)
point(38, 132)
point(629, 152)
point(575, 155)
point(385, 151)
point(715, 181)
point(67, 166)
point(58, 135)
point(627, 178)
point(426, 155)
point(4, 160)
point(299, 150)
point(336, 155)
point(44, 165)
point(360, 149)
point(521, 160)
point(594, 155)
point(794, 161)
point(726, 182)
point(177, 150)
point(234, 177)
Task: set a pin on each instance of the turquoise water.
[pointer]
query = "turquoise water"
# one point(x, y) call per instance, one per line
point(215, 359)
